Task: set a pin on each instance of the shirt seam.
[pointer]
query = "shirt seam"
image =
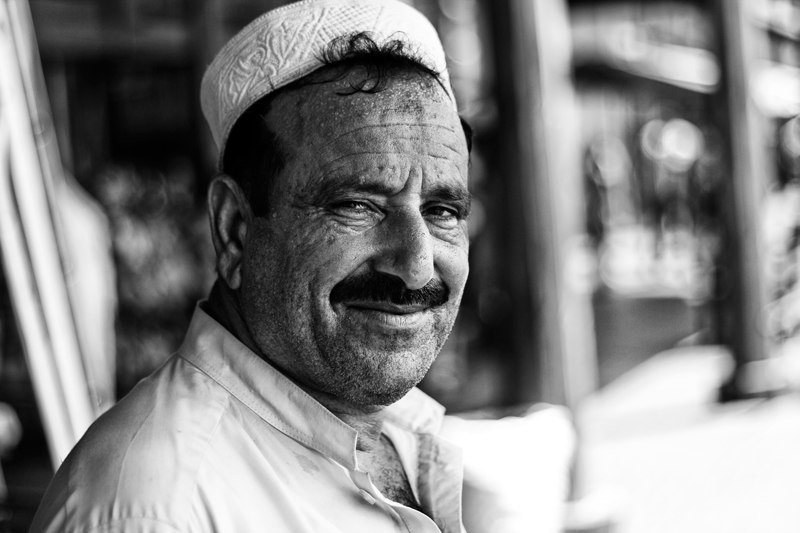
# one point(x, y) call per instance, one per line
point(106, 523)
point(402, 519)
point(200, 462)
point(232, 389)
point(128, 447)
point(203, 455)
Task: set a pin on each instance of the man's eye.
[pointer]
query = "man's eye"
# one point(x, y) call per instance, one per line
point(442, 211)
point(443, 215)
point(352, 208)
point(352, 204)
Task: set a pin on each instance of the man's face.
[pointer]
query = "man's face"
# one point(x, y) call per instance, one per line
point(352, 282)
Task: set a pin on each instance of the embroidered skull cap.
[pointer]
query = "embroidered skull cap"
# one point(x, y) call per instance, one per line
point(285, 44)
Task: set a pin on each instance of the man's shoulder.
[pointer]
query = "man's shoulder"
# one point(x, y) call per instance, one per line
point(140, 459)
point(176, 405)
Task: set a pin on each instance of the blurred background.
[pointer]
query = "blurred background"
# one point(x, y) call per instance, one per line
point(635, 237)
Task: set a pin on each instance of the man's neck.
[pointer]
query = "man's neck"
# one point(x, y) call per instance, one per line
point(223, 306)
point(375, 454)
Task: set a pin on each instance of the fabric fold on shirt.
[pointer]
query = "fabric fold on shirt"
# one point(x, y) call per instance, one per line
point(219, 440)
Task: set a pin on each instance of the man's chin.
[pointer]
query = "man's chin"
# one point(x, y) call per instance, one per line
point(378, 380)
point(378, 398)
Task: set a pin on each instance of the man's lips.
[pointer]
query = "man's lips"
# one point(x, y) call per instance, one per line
point(387, 315)
point(388, 307)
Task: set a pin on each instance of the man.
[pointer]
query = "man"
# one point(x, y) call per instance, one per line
point(340, 226)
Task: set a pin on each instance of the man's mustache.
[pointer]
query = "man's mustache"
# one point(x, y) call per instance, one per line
point(379, 287)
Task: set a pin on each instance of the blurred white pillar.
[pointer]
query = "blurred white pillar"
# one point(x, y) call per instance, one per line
point(742, 316)
point(561, 136)
point(30, 238)
point(546, 149)
point(540, 108)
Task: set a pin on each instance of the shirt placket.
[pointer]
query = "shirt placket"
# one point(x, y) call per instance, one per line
point(440, 480)
point(412, 520)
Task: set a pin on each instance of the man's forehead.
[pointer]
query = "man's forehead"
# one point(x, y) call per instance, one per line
point(410, 99)
point(324, 112)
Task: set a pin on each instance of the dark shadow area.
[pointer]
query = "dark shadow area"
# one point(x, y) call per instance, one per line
point(632, 330)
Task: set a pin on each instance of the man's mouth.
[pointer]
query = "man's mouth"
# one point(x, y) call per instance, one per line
point(387, 314)
point(388, 307)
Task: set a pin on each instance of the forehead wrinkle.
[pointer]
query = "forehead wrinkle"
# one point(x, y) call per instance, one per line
point(381, 152)
point(351, 116)
point(320, 129)
point(431, 141)
point(432, 145)
point(411, 97)
point(438, 184)
point(389, 124)
point(338, 167)
point(435, 146)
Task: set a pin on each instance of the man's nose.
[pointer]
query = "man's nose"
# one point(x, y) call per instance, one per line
point(406, 248)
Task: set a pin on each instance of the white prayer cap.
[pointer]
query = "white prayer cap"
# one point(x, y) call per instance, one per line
point(285, 44)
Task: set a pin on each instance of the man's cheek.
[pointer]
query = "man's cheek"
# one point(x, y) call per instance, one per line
point(339, 256)
point(453, 264)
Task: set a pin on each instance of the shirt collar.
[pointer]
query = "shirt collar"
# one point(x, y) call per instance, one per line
point(417, 412)
point(284, 405)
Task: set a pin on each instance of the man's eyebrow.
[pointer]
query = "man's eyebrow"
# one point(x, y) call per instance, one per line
point(452, 194)
point(329, 189)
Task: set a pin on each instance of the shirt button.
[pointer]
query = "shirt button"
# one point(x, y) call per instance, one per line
point(367, 496)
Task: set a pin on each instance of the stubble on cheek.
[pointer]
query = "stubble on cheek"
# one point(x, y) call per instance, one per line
point(370, 368)
point(317, 343)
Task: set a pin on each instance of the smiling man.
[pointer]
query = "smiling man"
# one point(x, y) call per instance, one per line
point(339, 220)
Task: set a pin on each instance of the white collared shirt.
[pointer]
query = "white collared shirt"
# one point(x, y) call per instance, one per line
point(219, 440)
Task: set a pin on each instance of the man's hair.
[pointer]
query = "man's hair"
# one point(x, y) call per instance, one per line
point(253, 155)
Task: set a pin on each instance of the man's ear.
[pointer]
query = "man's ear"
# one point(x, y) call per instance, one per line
point(230, 215)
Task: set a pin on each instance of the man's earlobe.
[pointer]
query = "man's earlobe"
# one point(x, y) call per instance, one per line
point(229, 214)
